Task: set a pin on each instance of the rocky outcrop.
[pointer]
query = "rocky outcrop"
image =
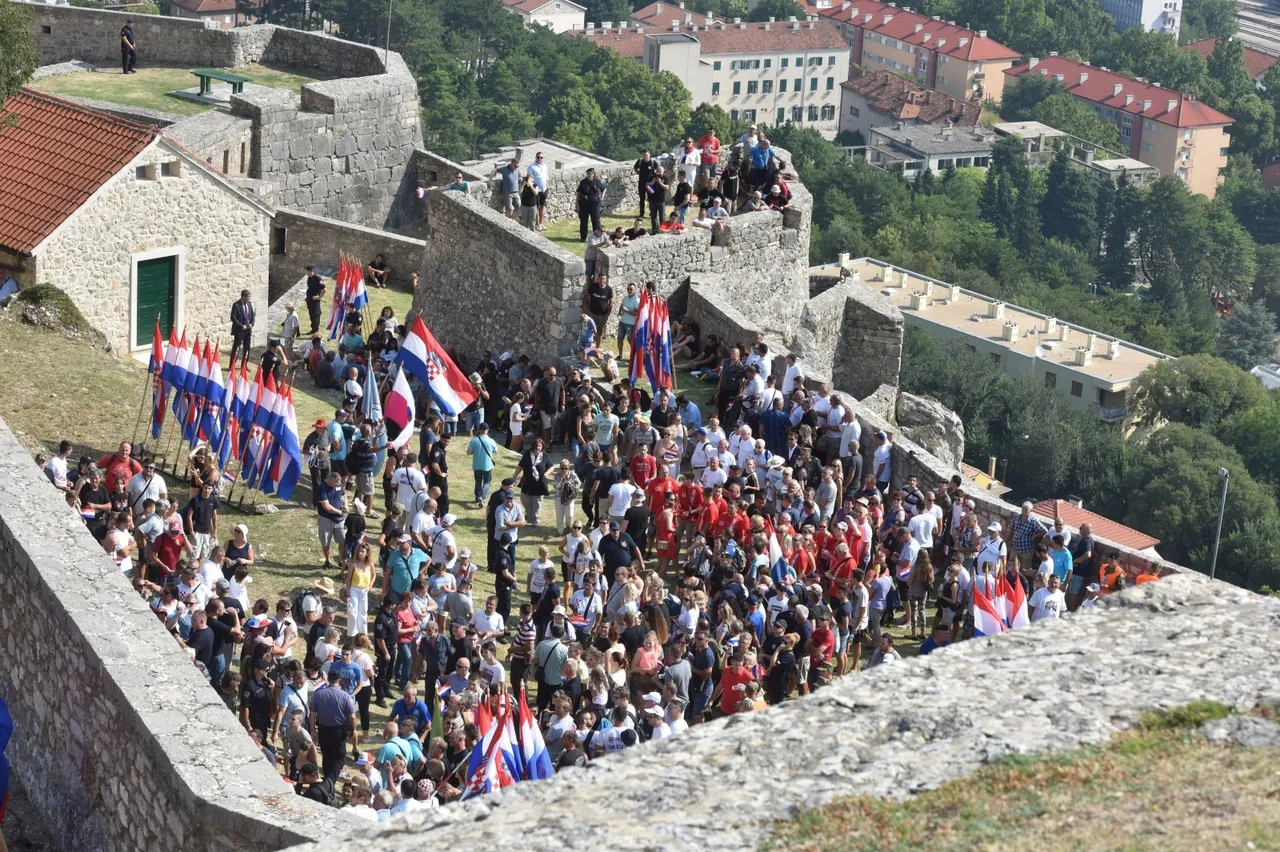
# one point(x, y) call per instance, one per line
point(888, 732)
point(932, 425)
point(883, 402)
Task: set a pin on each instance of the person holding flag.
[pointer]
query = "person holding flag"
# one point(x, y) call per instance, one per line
point(424, 358)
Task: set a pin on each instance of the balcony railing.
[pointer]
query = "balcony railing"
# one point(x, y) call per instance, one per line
point(1111, 413)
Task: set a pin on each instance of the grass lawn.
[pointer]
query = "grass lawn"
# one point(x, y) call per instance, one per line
point(1161, 786)
point(565, 232)
point(150, 87)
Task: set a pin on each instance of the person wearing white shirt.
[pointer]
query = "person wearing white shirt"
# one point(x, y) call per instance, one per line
point(794, 374)
point(423, 525)
point(586, 604)
point(56, 467)
point(850, 431)
point(727, 458)
point(620, 496)
point(688, 158)
point(211, 568)
point(488, 622)
point(923, 527)
point(444, 546)
point(144, 486)
point(714, 474)
point(491, 671)
point(822, 402)
point(1048, 602)
point(714, 433)
point(992, 551)
point(740, 436)
point(754, 388)
point(408, 482)
point(538, 171)
point(882, 461)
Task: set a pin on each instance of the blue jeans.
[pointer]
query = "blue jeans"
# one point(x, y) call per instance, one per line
point(471, 420)
point(404, 663)
point(217, 669)
point(484, 479)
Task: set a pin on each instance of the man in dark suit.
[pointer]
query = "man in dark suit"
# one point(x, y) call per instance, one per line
point(242, 317)
point(128, 48)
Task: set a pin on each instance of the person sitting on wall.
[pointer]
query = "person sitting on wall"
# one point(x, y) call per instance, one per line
point(756, 204)
point(619, 237)
point(636, 231)
point(459, 184)
point(777, 199)
point(672, 225)
point(378, 271)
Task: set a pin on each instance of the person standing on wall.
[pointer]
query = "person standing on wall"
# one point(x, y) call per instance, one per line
point(315, 292)
point(538, 171)
point(128, 49)
point(591, 192)
point(242, 318)
point(646, 169)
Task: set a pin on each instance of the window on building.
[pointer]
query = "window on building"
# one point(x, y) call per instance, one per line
point(173, 168)
point(146, 173)
point(737, 87)
point(715, 66)
point(981, 162)
point(45, 29)
point(1077, 389)
point(1224, 151)
point(799, 84)
point(753, 87)
point(1126, 126)
point(733, 113)
point(768, 63)
point(799, 61)
point(855, 112)
point(813, 84)
point(1147, 126)
point(797, 114)
point(1050, 379)
point(948, 163)
point(279, 240)
point(782, 86)
point(1181, 174)
point(815, 60)
point(813, 113)
point(785, 62)
point(748, 115)
point(766, 87)
point(831, 83)
point(828, 112)
point(994, 356)
point(782, 115)
point(715, 90)
point(1148, 147)
point(831, 60)
point(942, 81)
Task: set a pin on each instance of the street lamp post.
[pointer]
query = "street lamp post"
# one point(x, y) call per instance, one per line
point(1222, 508)
point(386, 52)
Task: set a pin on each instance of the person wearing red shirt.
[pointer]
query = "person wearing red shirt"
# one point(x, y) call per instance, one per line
point(167, 553)
point(740, 525)
point(733, 682)
point(710, 146)
point(803, 562)
point(713, 507)
point(820, 536)
point(119, 464)
point(664, 523)
point(688, 510)
point(822, 644)
point(660, 486)
point(841, 571)
point(644, 467)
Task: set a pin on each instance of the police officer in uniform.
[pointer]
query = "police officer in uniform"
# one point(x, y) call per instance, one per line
point(128, 49)
point(591, 192)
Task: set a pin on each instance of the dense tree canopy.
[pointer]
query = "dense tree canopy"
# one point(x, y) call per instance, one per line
point(17, 55)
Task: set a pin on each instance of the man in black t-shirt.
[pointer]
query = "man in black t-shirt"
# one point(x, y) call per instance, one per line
point(572, 755)
point(591, 193)
point(128, 48)
point(201, 517)
point(549, 396)
point(438, 472)
point(598, 302)
point(386, 635)
point(637, 230)
point(255, 699)
point(315, 293)
point(645, 168)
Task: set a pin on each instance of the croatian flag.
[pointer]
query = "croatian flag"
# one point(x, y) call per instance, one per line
point(639, 340)
point(357, 297)
point(1016, 606)
point(488, 770)
point(537, 763)
point(248, 405)
point(399, 412)
point(182, 379)
point(282, 475)
point(214, 416)
point(986, 620)
point(422, 356)
point(159, 389)
point(778, 567)
point(171, 358)
point(660, 347)
point(338, 307)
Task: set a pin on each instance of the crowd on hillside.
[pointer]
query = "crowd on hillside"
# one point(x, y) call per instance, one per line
point(705, 562)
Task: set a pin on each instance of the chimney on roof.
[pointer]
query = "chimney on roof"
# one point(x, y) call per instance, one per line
point(1033, 62)
point(1053, 53)
point(657, 8)
point(941, 42)
point(1128, 99)
point(888, 18)
point(741, 25)
point(845, 5)
point(937, 17)
point(772, 19)
point(795, 25)
point(1116, 88)
point(1157, 85)
point(964, 40)
point(911, 97)
point(811, 23)
point(737, 21)
point(982, 33)
point(1172, 104)
point(791, 19)
point(675, 26)
point(1058, 77)
point(1113, 349)
point(1084, 75)
point(766, 26)
point(608, 25)
point(1146, 105)
point(919, 27)
point(926, 37)
point(720, 26)
point(866, 19)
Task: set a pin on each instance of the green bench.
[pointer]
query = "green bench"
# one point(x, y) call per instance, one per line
point(208, 75)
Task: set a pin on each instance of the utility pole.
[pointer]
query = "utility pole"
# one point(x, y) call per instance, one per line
point(1222, 508)
point(386, 53)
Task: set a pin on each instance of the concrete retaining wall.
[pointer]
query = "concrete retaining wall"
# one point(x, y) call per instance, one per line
point(118, 741)
point(488, 283)
point(317, 241)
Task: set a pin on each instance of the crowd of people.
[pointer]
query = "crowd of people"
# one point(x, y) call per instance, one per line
point(692, 564)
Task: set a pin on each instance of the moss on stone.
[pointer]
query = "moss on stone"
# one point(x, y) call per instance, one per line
point(45, 306)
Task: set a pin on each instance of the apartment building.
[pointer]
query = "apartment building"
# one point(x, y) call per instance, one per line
point(1169, 130)
point(1089, 368)
point(559, 16)
point(1161, 16)
point(1100, 164)
point(771, 72)
point(915, 149)
point(954, 60)
point(872, 99)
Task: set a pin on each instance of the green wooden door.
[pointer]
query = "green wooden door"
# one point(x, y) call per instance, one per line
point(157, 294)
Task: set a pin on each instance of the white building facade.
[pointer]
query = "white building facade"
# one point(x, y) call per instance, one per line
point(1162, 16)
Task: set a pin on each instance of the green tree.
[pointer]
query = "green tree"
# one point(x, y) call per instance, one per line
point(1065, 113)
point(613, 11)
point(1248, 337)
point(17, 54)
point(1119, 209)
point(1154, 56)
point(843, 234)
point(1253, 434)
point(1208, 18)
point(1227, 69)
point(1172, 487)
point(1266, 282)
point(1254, 130)
point(575, 119)
point(1026, 92)
point(713, 117)
point(779, 10)
point(1248, 555)
point(1199, 391)
point(1068, 209)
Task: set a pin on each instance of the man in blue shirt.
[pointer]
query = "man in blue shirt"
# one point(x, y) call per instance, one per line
point(338, 443)
point(348, 672)
point(411, 705)
point(395, 745)
point(761, 156)
point(482, 450)
point(331, 511)
point(1062, 562)
point(404, 564)
point(510, 174)
point(690, 415)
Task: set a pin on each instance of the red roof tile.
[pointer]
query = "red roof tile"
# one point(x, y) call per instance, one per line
point(55, 157)
point(1163, 105)
point(904, 99)
point(209, 7)
point(920, 30)
point(628, 42)
point(749, 38)
point(662, 14)
point(1105, 528)
point(534, 5)
point(1256, 61)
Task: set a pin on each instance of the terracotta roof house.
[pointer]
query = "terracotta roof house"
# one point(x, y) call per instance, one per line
point(126, 221)
point(221, 14)
point(1169, 130)
point(1104, 528)
point(559, 16)
point(662, 14)
point(1257, 62)
point(879, 98)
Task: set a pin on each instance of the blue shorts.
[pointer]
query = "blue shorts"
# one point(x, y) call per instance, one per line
point(698, 701)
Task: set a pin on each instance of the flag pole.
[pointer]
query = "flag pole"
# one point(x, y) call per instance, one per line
point(142, 404)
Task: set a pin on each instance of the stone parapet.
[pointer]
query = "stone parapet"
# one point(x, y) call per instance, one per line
point(888, 732)
point(118, 740)
point(317, 241)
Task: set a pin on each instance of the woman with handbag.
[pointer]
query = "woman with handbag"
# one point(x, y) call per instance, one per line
point(567, 486)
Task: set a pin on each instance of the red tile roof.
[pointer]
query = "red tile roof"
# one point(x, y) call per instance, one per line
point(55, 157)
point(628, 42)
point(1104, 528)
point(662, 14)
point(749, 38)
point(1163, 105)
point(1256, 61)
point(905, 99)
point(920, 30)
point(210, 7)
point(534, 5)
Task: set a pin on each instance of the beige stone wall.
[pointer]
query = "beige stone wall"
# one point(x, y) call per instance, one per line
point(222, 238)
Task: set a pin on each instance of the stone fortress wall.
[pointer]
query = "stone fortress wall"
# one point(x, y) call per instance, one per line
point(118, 741)
point(889, 732)
point(315, 240)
